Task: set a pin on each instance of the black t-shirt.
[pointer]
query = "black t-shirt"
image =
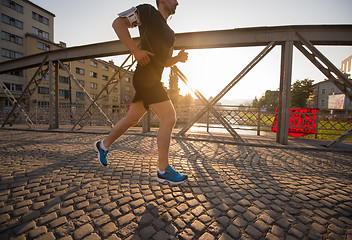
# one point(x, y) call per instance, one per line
point(157, 37)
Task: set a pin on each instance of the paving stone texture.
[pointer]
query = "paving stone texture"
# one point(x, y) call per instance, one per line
point(52, 187)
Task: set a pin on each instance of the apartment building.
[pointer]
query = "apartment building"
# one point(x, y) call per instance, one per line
point(346, 66)
point(92, 74)
point(27, 29)
point(17, 19)
point(326, 91)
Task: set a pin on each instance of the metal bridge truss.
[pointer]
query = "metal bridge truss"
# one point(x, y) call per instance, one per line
point(110, 85)
point(330, 71)
point(209, 106)
point(25, 96)
point(302, 37)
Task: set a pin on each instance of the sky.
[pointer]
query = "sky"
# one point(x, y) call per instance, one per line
point(81, 22)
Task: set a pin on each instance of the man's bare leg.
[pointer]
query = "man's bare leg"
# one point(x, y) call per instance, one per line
point(135, 113)
point(167, 117)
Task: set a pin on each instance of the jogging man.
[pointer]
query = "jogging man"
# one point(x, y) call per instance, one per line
point(155, 53)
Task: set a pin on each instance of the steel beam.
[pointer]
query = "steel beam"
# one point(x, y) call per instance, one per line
point(216, 114)
point(285, 93)
point(93, 102)
point(57, 117)
point(29, 90)
point(51, 98)
point(329, 70)
point(249, 67)
point(242, 37)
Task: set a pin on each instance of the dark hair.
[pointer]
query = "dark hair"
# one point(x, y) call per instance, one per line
point(157, 2)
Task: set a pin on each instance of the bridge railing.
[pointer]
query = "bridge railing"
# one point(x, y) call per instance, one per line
point(244, 119)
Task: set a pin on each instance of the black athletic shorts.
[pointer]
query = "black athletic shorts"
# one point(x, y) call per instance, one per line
point(150, 95)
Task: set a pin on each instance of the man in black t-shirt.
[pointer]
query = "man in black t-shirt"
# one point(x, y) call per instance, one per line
point(155, 53)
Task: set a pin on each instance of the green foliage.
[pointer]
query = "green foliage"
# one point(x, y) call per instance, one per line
point(269, 99)
point(300, 92)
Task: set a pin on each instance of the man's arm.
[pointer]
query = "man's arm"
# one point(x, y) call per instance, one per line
point(182, 56)
point(121, 25)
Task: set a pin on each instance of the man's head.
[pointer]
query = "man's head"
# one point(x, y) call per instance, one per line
point(169, 5)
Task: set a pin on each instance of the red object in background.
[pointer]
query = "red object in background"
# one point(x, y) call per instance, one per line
point(302, 122)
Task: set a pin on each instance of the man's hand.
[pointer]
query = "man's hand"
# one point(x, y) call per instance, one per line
point(142, 56)
point(182, 56)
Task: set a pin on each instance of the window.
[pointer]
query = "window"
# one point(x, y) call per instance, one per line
point(10, 54)
point(105, 98)
point(127, 88)
point(322, 102)
point(93, 74)
point(93, 85)
point(11, 21)
point(93, 64)
point(323, 91)
point(105, 78)
point(43, 90)
point(64, 105)
point(115, 99)
point(43, 104)
point(14, 87)
point(80, 95)
point(115, 90)
point(11, 38)
point(40, 18)
point(63, 79)
point(332, 90)
point(67, 65)
point(14, 6)
point(8, 103)
point(43, 46)
point(105, 68)
point(18, 73)
point(127, 79)
point(40, 33)
point(81, 61)
point(80, 71)
point(64, 93)
point(47, 77)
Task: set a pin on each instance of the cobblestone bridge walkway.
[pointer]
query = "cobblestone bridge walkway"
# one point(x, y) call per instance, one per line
point(51, 187)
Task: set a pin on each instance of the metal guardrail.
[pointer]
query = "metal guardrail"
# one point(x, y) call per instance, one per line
point(249, 120)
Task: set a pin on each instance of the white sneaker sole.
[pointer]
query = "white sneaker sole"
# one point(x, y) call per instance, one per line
point(98, 155)
point(161, 180)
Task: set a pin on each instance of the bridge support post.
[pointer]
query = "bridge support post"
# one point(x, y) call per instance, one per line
point(285, 93)
point(51, 99)
point(56, 122)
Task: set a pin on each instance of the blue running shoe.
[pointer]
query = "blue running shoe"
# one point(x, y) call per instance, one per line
point(171, 176)
point(102, 155)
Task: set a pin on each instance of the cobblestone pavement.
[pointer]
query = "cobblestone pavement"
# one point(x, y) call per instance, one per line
point(51, 187)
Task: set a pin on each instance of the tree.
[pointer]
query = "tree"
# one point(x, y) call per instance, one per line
point(269, 99)
point(255, 102)
point(300, 92)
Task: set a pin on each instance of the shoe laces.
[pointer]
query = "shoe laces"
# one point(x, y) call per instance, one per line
point(106, 153)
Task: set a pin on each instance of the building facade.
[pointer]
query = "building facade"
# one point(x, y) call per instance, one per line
point(326, 89)
point(27, 29)
point(17, 19)
point(92, 74)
